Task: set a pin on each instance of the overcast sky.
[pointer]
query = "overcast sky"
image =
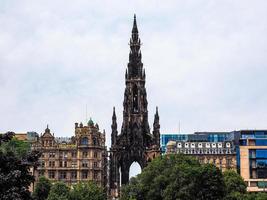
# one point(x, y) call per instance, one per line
point(205, 60)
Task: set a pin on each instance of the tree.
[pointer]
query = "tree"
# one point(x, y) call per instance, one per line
point(18, 147)
point(87, 191)
point(235, 185)
point(42, 189)
point(59, 191)
point(180, 177)
point(15, 177)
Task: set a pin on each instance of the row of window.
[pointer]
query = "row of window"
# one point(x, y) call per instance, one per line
point(72, 175)
point(254, 134)
point(73, 154)
point(205, 151)
point(218, 162)
point(72, 164)
point(201, 145)
point(84, 141)
point(256, 142)
point(258, 153)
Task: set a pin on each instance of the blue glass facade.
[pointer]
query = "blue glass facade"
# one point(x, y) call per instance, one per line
point(198, 136)
point(258, 163)
point(165, 138)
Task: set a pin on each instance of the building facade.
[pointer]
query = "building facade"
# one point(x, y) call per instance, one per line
point(135, 143)
point(197, 136)
point(82, 157)
point(221, 154)
point(253, 159)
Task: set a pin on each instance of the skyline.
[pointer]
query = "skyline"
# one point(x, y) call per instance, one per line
point(204, 62)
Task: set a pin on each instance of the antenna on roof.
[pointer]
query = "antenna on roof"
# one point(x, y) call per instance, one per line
point(179, 127)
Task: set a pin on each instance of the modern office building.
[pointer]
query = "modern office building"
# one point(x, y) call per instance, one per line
point(79, 158)
point(252, 158)
point(197, 136)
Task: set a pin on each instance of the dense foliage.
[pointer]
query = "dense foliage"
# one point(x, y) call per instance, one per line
point(15, 177)
point(235, 185)
point(176, 177)
point(181, 177)
point(45, 190)
point(18, 147)
point(42, 189)
point(59, 191)
point(87, 191)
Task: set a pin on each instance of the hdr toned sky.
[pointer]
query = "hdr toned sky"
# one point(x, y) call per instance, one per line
point(205, 60)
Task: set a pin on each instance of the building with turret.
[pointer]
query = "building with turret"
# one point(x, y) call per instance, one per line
point(81, 157)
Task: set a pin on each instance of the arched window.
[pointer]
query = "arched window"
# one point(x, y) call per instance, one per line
point(84, 141)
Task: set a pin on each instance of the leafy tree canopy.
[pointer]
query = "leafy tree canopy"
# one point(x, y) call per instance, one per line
point(42, 189)
point(59, 191)
point(15, 177)
point(87, 191)
point(235, 185)
point(176, 177)
point(18, 147)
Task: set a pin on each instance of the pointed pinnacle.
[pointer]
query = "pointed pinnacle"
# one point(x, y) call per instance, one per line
point(134, 30)
point(114, 113)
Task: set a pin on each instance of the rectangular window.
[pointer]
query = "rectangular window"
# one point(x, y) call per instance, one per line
point(63, 154)
point(84, 174)
point(85, 154)
point(65, 164)
point(73, 154)
point(52, 155)
point(261, 142)
point(73, 164)
point(51, 163)
point(51, 174)
point(84, 164)
point(95, 154)
point(62, 175)
point(95, 164)
point(60, 163)
point(261, 153)
point(73, 175)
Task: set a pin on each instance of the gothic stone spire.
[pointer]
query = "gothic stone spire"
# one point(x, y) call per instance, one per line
point(135, 65)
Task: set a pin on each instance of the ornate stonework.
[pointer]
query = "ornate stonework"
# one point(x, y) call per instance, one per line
point(82, 157)
point(135, 143)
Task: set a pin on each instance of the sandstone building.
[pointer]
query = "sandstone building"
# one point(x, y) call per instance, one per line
point(221, 154)
point(82, 157)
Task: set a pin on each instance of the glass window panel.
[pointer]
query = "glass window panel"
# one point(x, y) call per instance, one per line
point(261, 153)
